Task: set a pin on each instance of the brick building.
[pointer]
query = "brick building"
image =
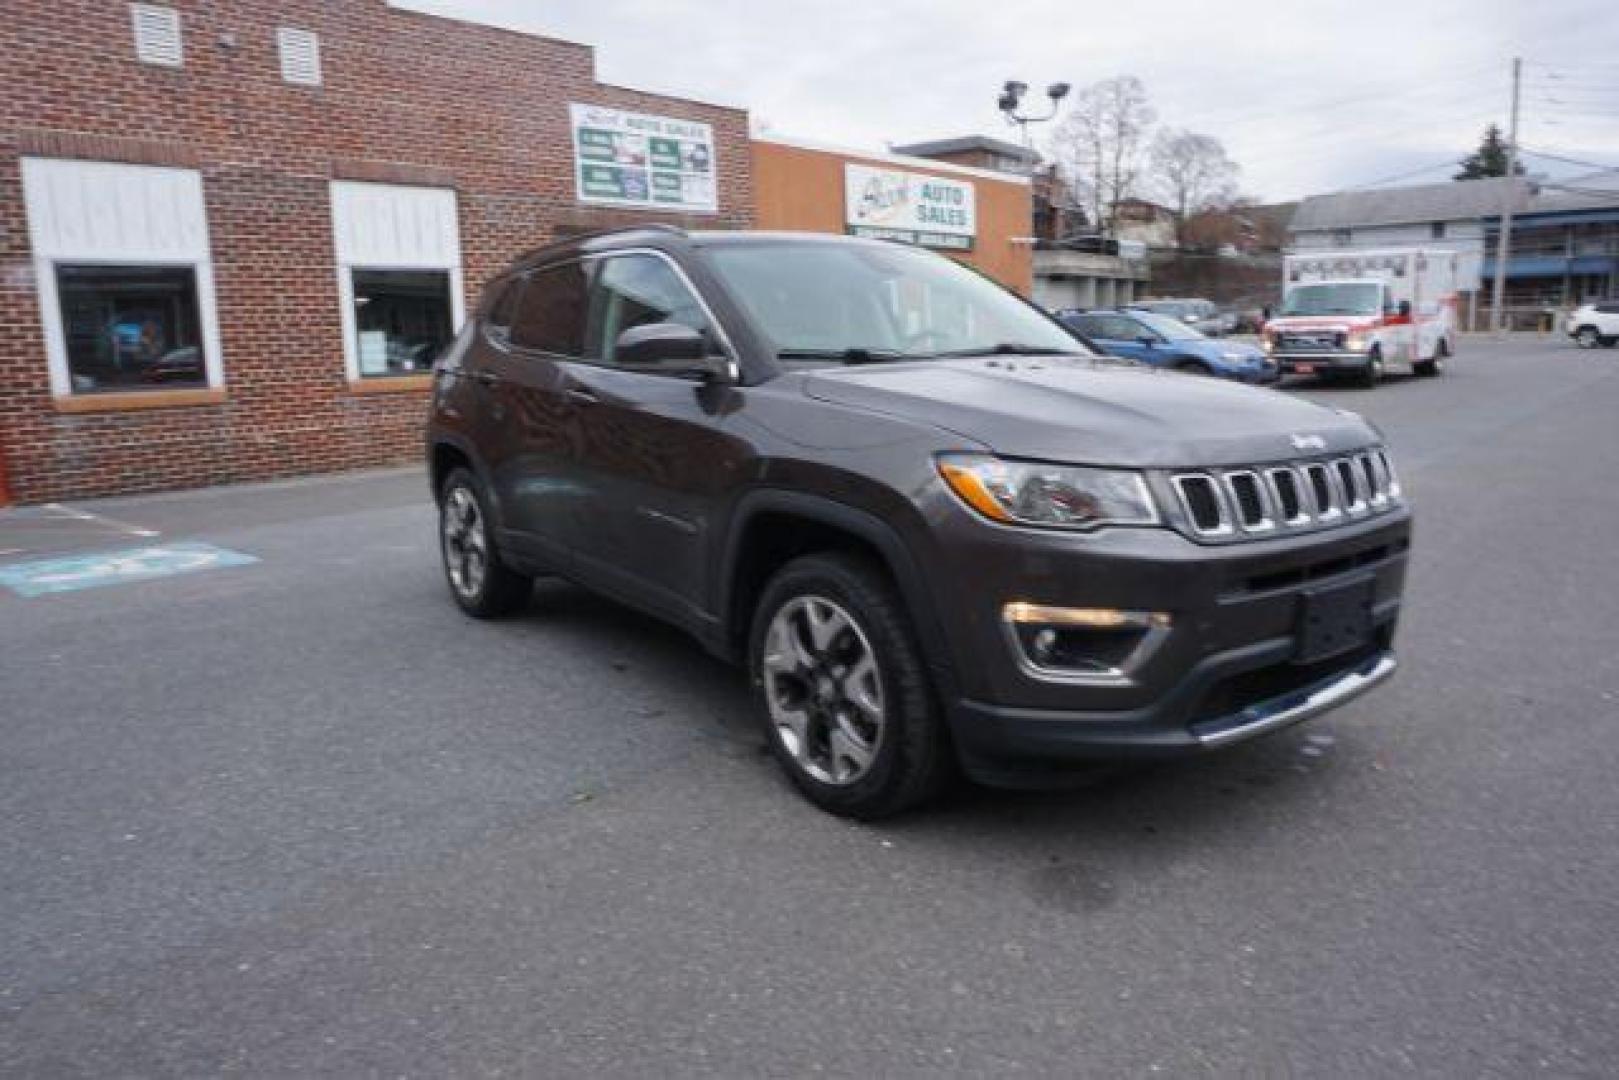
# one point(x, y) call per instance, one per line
point(232, 231)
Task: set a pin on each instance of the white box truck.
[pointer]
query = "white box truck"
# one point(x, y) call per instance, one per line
point(1360, 314)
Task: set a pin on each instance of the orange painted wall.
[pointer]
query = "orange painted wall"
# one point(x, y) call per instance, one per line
point(799, 188)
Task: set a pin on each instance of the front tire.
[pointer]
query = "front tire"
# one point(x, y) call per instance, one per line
point(842, 689)
point(1373, 372)
point(480, 581)
point(1586, 337)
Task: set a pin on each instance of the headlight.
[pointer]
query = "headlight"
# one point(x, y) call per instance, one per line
point(1356, 342)
point(1055, 496)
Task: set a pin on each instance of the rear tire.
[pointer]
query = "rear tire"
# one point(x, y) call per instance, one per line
point(842, 690)
point(1586, 337)
point(1436, 366)
point(480, 581)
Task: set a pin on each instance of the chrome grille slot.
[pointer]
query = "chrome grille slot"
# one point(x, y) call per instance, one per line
point(1205, 506)
point(1248, 497)
point(1288, 492)
point(1350, 485)
point(1230, 503)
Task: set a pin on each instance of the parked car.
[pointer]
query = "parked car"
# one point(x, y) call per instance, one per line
point(1201, 315)
point(935, 529)
point(1594, 324)
point(1164, 342)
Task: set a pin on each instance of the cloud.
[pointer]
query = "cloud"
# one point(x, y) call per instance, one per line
point(1307, 96)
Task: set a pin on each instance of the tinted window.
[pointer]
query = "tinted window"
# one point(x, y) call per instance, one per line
point(130, 327)
point(637, 290)
point(1608, 309)
point(505, 304)
point(815, 300)
point(550, 314)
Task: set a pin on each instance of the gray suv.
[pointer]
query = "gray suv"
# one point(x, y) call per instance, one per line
point(937, 530)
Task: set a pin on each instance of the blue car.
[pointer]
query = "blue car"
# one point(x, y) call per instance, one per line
point(1165, 342)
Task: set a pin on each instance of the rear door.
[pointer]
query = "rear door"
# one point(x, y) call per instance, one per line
point(536, 417)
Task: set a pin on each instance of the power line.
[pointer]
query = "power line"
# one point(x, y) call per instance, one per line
point(1533, 152)
point(1449, 163)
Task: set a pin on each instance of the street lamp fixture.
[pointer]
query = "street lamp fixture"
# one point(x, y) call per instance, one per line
point(1012, 93)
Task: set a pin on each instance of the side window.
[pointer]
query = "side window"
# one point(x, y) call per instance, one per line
point(637, 290)
point(550, 313)
point(503, 306)
point(1118, 328)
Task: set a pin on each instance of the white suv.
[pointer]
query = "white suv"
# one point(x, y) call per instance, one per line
point(1595, 324)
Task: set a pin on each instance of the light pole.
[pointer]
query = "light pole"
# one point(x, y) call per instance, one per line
point(1012, 96)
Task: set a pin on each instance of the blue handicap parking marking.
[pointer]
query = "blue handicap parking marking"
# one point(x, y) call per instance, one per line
point(70, 573)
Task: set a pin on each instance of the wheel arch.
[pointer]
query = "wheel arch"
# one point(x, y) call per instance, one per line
point(773, 527)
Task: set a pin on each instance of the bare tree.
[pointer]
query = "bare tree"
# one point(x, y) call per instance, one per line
point(1099, 143)
point(1193, 174)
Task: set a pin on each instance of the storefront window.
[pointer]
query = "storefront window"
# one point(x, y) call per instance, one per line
point(402, 319)
point(130, 327)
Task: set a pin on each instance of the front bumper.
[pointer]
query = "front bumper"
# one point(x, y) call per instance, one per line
point(1308, 363)
point(1225, 671)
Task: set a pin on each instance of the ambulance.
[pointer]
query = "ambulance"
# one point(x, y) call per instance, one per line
point(1363, 314)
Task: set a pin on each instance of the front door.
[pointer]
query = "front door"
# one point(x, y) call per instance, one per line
point(656, 455)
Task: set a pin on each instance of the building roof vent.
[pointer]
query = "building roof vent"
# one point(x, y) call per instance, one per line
point(157, 34)
point(300, 56)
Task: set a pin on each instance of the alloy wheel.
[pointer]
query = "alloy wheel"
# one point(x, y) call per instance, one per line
point(823, 689)
point(466, 548)
point(1586, 338)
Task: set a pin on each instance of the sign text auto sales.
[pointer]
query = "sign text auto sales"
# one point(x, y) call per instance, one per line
point(919, 209)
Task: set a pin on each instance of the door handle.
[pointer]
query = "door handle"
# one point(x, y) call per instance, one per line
point(580, 396)
point(483, 378)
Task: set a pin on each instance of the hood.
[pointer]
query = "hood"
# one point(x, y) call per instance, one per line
point(1095, 411)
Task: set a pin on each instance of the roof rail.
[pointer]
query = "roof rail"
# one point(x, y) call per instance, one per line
point(535, 253)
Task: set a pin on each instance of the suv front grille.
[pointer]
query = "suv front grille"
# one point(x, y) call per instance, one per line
point(1261, 501)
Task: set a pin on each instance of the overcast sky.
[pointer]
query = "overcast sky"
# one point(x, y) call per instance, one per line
point(1308, 96)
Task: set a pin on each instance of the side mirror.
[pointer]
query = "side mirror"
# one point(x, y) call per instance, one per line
point(1405, 307)
point(1146, 340)
point(666, 348)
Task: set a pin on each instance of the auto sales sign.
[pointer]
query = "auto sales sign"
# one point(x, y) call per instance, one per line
point(893, 205)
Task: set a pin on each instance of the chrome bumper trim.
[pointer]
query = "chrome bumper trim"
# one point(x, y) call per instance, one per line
point(1291, 709)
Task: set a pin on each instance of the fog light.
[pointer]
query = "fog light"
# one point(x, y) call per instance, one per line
point(1096, 645)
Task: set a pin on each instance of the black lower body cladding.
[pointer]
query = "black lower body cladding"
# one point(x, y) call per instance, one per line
point(1218, 643)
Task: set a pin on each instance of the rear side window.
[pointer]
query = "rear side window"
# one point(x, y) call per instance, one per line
point(1608, 309)
point(550, 313)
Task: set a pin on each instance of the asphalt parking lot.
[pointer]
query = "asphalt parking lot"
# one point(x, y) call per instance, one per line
point(291, 813)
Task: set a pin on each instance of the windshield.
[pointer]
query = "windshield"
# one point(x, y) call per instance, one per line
point(1350, 298)
point(861, 302)
point(1170, 329)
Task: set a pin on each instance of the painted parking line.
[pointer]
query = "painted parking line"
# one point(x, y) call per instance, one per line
point(41, 577)
point(100, 519)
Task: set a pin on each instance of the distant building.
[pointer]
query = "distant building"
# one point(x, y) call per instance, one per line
point(1449, 216)
point(1565, 235)
point(1144, 222)
point(976, 152)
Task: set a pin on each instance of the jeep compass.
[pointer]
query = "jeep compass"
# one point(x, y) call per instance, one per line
point(937, 530)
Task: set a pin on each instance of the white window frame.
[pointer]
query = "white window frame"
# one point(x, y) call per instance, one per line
point(367, 235)
point(62, 232)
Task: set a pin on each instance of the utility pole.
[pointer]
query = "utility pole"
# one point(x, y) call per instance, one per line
point(1503, 240)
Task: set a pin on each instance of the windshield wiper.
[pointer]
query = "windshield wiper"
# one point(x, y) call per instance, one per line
point(855, 355)
point(1008, 348)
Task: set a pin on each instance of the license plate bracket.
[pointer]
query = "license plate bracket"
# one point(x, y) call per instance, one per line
point(1304, 369)
point(1333, 619)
